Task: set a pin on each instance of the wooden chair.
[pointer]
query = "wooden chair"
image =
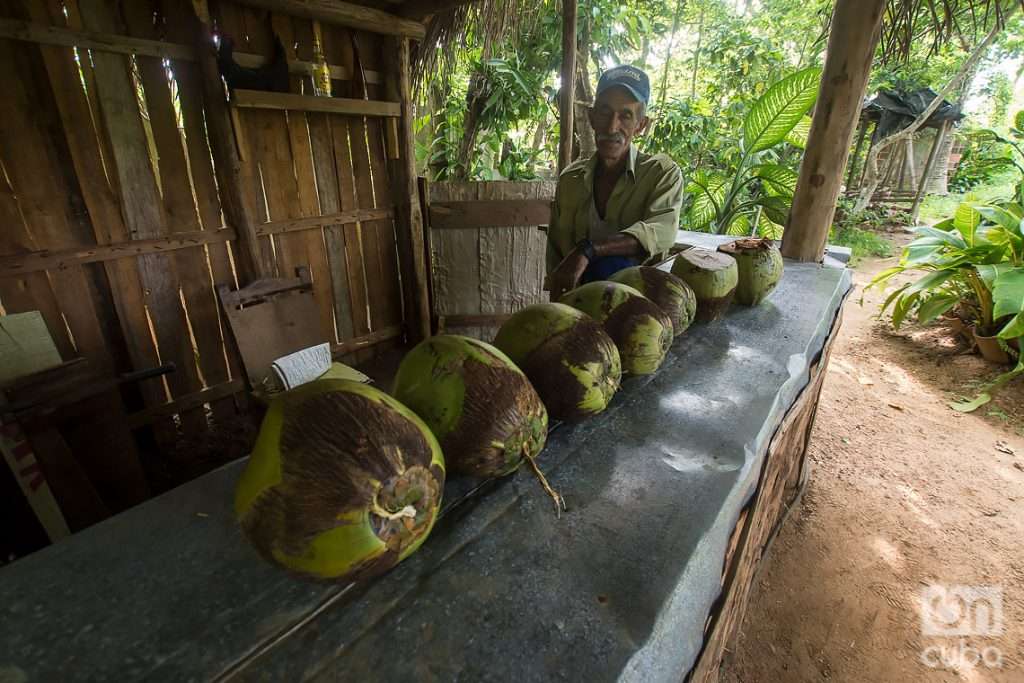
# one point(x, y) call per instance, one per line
point(271, 318)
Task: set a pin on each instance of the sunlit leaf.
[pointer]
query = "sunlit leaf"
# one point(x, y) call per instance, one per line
point(779, 109)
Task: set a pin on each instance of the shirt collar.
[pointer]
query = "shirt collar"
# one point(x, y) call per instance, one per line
point(591, 167)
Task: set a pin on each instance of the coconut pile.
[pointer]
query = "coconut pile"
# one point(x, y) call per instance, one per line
point(345, 481)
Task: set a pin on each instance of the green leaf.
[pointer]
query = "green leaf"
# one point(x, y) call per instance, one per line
point(777, 180)
point(1018, 120)
point(895, 294)
point(775, 208)
point(739, 226)
point(779, 109)
point(769, 228)
point(707, 192)
point(1014, 328)
point(903, 306)
point(1008, 293)
point(798, 136)
point(966, 221)
point(990, 271)
point(930, 281)
point(949, 237)
point(999, 216)
point(971, 406)
point(934, 306)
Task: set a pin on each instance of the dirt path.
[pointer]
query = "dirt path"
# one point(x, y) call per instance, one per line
point(904, 494)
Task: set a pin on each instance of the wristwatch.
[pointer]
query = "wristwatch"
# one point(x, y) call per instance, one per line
point(586, 247)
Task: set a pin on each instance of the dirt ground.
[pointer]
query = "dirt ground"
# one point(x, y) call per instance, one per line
point(904, 494)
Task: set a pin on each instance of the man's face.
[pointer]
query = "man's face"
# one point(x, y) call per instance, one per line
point(616, 119)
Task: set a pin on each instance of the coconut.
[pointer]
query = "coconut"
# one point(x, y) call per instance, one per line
point(665, 289)
point(712, 276)
point(480, 406)
point(344, 482)
point(567, 356)
point(641, 331)
point(759, 263)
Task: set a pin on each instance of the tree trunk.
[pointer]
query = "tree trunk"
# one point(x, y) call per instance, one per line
point(470, 126)
point(871, 180)
point(567, 98)
point(541, 132)
point(856, 27)
point(584, 93)
point(680, 4)
point(696, 55)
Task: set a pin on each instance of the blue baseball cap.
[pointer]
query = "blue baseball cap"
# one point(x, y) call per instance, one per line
point(629, 77)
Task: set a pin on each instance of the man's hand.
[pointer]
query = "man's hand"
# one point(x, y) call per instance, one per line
point(568, 273)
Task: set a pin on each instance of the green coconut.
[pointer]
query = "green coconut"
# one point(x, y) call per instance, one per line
point(567, 356)
point(665, 289)
point(759, 263)
point(344, 482)
point(712, 276)
point(480, 406)
point(640, 329)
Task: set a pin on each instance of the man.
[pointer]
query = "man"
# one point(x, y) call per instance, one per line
point(619, 208)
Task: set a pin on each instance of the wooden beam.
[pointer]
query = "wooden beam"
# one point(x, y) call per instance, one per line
point(929, 166)
point(345, 14)
point(108, 42)
point(339, 218)
point(187, 402)
point(33, 261)
point(568, 94)
point(92, 40)
point(409, 230)
point(259, 99)
point(489, 214)
point(376, 337)
point(856, 26)
point(421, 9)
point(249, 259)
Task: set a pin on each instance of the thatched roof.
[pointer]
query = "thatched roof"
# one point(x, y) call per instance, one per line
point(906, 22)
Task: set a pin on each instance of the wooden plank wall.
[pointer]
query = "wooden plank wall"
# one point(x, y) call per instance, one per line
point(108, 148)
point(490, 270)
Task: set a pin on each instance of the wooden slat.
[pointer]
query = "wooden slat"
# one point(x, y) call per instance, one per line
point(27, 31)
point(35, 261)
point(259, 99)
point(367, 340)
point(308, 203)
point(141, 203)
point(345, 14)
point(455, 258)
point(388, 251)
point(92, 40)
point(409, 231)
point(333, 218)
point(489, 214)
point(472, 320)
point(91, 157)
point(33, 152)
point(185, 403)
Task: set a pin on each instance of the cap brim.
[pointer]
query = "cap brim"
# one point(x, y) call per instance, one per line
point(632, 91)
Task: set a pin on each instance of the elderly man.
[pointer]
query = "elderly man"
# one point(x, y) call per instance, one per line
point(619, 208)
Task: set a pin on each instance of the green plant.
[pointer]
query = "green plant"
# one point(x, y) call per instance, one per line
point(974, 262)
point(754, 195)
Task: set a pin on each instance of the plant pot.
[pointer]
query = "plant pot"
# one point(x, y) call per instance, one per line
point(990, 349)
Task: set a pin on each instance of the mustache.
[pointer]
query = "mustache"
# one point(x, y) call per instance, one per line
point(611, 137)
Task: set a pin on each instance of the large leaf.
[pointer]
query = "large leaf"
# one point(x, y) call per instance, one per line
point(739, 226)
point(934, 306)
point(766, 227)
point(777, 180)
point(708, 193)
point(776, 209)
point(999, 216)
point(990, 271)
point(966, 221)
point(1008, 293)
point(1014, 328)
point(801, 131)
point(779, 109)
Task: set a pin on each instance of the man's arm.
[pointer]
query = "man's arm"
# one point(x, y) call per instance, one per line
point(656, 233)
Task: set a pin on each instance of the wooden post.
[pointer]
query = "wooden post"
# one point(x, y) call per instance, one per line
point(929, 166)
point(856, 153)
point(409, 219)
point(237, 211)
point(856, 26)
point(567, 97)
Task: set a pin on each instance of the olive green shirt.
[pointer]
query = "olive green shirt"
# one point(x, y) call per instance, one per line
point(645, 203)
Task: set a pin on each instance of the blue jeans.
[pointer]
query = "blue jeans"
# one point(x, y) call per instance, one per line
point(604, 268)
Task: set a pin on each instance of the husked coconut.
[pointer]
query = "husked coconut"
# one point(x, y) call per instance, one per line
point(567, 356)
point(759, 264)
point(344, 482)
point(669, 292)
point(712, 276)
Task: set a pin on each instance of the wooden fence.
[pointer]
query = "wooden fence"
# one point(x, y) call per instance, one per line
point(486, 252)
point(113, 223)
